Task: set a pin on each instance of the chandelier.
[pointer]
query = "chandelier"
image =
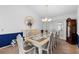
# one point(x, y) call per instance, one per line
point(46, 19)
point(46, 22)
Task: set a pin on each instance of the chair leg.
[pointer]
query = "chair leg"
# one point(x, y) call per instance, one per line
point(51, 50)
point(47, 52)
point(34, 50)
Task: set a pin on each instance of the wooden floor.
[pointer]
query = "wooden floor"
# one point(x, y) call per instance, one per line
point(66, 48)
point(62, 48)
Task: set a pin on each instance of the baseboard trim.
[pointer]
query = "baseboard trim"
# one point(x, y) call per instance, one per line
point(5, 47)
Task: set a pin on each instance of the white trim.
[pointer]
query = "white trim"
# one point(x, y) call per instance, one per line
point(5, 46)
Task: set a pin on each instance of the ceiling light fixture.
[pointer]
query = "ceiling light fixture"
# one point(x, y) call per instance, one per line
point(46, 19)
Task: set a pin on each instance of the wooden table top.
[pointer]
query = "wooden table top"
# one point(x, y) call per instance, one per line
point(37, 42)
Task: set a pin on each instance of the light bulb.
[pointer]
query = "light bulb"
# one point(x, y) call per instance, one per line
point(49, 19)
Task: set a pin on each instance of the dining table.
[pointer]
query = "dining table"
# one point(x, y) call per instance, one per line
point(38, 41)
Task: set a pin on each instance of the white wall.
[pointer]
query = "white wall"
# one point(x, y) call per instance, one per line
point(61, 19)
point(78, 21)
point(12, 18)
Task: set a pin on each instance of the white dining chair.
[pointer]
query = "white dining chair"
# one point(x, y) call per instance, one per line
point(24, 49)
point(49, 45)
point(56, 39)
point(46, 47)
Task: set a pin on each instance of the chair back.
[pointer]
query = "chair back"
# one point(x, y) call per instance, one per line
point(57, 35)
point(50, 44)
point(20, 42)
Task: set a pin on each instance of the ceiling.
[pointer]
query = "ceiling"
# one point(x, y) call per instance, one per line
point(53, 10)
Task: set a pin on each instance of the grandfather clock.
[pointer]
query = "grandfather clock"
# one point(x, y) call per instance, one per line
point(71, 31)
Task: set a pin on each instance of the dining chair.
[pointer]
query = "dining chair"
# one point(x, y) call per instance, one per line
point(24, 49)
point(49, 45)
point(56, 39)
point(46, 47)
